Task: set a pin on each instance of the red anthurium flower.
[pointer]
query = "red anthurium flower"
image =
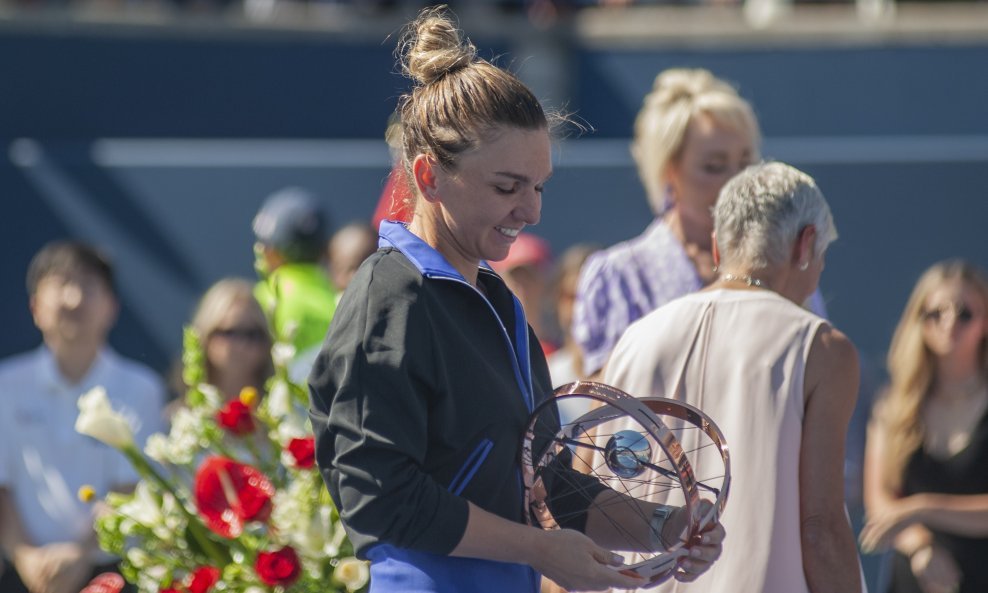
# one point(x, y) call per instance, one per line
point(304, 451)
point(228, 494)
point(235, 417)
point(203, 579)
point(278, 568)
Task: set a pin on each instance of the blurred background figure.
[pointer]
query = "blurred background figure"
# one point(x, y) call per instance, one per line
point(566, 363)
point(396, 199)
point(294, 290)
point(348, 248)
point(692, 134)
point(526, 272)
point(926, 466)
point(46, 531)
point(779, 381)
point(235, 338)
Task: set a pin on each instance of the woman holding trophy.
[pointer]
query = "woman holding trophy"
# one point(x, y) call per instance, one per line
point(430, 371)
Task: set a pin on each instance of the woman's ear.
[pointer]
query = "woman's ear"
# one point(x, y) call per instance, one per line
point(424, 174)
point(803, 249)
point(714, 251)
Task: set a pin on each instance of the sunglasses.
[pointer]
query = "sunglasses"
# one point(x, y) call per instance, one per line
point(241, 333)
point(962, 314)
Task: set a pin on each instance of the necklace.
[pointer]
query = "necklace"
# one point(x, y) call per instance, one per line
point(745, 278)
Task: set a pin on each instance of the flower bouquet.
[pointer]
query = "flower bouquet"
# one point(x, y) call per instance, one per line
point(230, 499)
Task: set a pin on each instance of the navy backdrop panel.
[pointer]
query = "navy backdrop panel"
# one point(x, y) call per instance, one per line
point(823, 90)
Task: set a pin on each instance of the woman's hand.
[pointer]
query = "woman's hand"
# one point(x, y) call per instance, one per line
point(935, 569)
point(882, 526)
point(574, 562)
point(704, 549)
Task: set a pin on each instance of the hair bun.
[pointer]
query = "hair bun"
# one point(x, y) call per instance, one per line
point(679, 84)
point(432, 47)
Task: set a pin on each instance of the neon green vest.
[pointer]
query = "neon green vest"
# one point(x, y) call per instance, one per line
point(298, 298)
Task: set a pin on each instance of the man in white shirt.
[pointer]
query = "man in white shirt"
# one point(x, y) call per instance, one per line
point(46, 532)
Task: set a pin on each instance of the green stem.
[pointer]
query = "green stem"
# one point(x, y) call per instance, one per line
point(195, 525)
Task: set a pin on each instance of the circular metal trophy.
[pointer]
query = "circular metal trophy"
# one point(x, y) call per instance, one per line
point(649, 452)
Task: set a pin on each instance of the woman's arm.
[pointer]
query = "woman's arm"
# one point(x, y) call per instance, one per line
point(959, 514)
point(931, 564)
point(568, 557)
point(878, 498)
point(830, 559)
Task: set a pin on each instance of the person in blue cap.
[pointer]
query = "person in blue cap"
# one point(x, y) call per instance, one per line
point(294, 289)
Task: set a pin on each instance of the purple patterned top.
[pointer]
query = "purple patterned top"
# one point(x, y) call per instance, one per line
point(623, 283)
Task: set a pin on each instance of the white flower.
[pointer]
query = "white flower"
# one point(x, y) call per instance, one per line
point(351, 573)
point(182, 443)
point(138, 558)
point(214, 400)
point(282, 354)
point(158, 447)
point(150, 578)
point(98, 420)
point(143, 507)
point(279, 400)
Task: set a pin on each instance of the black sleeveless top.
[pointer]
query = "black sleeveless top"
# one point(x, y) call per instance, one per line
point(964, 473)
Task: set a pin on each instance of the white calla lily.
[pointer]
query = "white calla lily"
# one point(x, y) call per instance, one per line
point(100, 421)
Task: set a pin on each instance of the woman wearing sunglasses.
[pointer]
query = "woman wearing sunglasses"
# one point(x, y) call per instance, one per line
point(235, 337)
point(926, 462)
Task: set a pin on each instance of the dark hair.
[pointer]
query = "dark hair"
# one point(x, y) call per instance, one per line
point(458, 98)
point(59, 257)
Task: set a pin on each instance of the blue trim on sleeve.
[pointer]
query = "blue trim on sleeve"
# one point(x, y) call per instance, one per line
point(470, 466)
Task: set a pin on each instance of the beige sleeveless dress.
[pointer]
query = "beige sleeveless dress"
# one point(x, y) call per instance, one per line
point(745, 371)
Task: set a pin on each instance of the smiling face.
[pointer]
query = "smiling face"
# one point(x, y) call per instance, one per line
point(954, 321)
point(476, 210)
point(712, 153)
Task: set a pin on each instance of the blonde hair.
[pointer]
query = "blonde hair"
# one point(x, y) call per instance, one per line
point(458, 98)
point(213, 308)
point(912, 370)
point(678, 96)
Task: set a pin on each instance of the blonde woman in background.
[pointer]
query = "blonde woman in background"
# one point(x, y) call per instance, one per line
point(235, 337)
point(926, 462)
point(692, 134)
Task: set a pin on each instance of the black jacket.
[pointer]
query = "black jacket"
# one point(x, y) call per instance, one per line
point(420, 396)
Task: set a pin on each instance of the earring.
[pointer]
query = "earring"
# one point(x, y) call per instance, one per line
point(804, 266)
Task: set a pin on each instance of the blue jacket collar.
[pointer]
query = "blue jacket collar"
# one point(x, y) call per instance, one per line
point(423, 256)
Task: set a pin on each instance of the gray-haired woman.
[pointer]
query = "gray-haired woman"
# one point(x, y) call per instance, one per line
point(780, 382)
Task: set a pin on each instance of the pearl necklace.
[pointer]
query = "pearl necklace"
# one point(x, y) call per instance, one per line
point(745, 278)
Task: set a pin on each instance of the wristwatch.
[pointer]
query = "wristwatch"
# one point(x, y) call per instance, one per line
point(658, 521)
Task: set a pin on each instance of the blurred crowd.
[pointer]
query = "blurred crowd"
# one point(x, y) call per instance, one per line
point(927, 446)
point(541, 13)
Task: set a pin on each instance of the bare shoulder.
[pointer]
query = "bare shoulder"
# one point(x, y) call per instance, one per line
point(832, 363)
